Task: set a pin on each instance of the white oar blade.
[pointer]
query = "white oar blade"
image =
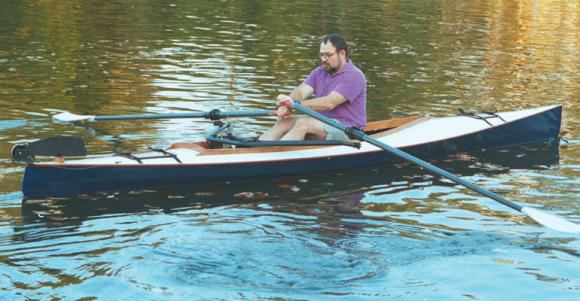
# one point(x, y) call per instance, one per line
point(551, 221)
point(70, 117)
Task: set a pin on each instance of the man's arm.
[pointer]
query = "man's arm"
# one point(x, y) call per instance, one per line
point(325, 103)
point(319, 104)
point(302, 92)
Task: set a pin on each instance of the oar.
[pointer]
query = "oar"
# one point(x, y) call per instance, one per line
point(543, 218)
point(213, 115)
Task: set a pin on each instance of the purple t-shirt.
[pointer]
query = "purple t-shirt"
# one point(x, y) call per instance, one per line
point(350, 82)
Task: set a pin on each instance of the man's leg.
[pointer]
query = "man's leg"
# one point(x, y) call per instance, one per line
point(306, 126)
point(279, 129)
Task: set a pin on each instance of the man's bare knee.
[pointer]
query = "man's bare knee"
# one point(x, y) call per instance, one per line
point(310, 127)
point(302, 124)
point(278, 130)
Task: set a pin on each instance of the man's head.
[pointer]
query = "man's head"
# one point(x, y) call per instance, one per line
point(333, 52)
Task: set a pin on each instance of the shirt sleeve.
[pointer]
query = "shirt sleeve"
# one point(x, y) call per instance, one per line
point(311, 79)
point(351, 86)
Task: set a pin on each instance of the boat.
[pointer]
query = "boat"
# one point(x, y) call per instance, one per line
point(222, 157)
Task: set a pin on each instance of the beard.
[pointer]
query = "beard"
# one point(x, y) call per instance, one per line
point(329, 69)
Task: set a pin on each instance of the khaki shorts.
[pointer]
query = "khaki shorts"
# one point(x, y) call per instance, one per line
point(333, 133)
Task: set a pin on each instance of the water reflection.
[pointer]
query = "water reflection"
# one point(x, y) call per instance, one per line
point(290, 235)
point(388, 189)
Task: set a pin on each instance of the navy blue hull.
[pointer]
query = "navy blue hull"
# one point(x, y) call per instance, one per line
point(43, 180)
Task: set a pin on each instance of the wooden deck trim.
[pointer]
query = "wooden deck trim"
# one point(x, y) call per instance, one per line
point(380, 125)
point(389, 126)
point(257, 150)
point(402, 127)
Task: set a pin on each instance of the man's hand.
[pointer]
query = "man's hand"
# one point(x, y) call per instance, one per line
point(283, 112)
point(284, 103)
point(284, 100)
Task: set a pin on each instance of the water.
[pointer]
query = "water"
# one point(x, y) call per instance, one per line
point(386, 233)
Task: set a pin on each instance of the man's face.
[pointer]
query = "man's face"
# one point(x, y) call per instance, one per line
point(330, 57)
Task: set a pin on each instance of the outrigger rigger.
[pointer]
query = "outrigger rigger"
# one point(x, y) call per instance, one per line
point(208, 161)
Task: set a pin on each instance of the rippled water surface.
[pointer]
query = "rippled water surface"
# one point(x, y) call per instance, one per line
point(392, 232)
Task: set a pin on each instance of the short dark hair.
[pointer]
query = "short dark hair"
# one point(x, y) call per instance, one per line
point(337, 41)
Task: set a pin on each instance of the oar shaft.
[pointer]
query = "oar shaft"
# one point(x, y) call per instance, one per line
point(215, 114)
point(436, 170)
point(405, 156)
point(149, 116)
point(550, 221)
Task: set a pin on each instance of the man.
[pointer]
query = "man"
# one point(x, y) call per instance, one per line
point(340, 92)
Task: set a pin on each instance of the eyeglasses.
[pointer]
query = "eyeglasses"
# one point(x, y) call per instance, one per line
point(326, 55)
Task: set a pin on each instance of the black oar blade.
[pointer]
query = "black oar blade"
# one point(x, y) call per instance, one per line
point(55, 146)
point(58, 146)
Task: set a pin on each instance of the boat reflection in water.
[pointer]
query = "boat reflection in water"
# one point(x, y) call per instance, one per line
point(318, 195)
